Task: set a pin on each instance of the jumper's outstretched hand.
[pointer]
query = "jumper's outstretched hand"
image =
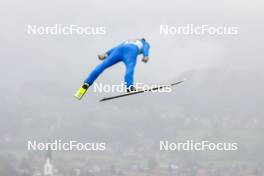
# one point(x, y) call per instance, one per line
point(102, 56)
point(145, 59)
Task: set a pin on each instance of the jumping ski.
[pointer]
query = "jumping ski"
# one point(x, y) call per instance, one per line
point(141, 91)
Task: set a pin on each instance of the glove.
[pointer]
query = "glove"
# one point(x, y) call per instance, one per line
point(102, 56)
point(145, 59)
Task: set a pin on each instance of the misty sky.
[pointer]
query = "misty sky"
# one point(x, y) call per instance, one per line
point(39, 72)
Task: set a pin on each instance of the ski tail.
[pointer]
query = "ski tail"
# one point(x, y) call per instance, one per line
point(142, 91)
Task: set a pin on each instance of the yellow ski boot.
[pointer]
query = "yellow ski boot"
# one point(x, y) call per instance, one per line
point(80, 93)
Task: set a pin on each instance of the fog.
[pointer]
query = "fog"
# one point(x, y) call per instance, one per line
point(222, 98)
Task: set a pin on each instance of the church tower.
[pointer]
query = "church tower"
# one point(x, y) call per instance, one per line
point(48, 167)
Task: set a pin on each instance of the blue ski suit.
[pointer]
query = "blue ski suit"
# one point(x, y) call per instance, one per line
point(126, 52)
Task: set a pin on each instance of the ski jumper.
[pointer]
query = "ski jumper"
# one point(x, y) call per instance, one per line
point(126, 52)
